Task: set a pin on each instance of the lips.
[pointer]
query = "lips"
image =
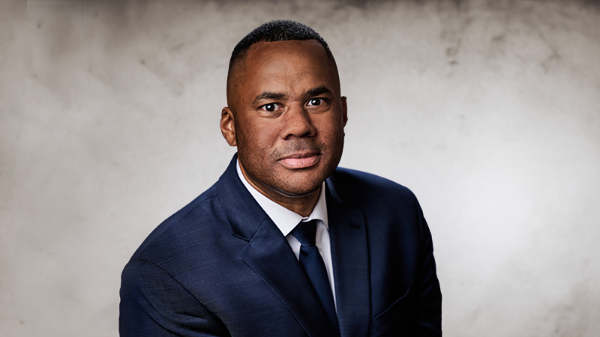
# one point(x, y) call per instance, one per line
point(300, 160)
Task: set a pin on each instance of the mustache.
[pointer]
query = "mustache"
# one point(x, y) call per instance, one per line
point(298, 146)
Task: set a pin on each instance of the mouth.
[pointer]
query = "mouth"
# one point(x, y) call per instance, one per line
point(300, 160)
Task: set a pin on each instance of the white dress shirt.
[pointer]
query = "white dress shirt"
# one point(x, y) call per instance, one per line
point(287, 220)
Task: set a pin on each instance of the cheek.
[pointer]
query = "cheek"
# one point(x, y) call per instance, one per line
point(332, 130)
point(266, 136)
point(259, 139)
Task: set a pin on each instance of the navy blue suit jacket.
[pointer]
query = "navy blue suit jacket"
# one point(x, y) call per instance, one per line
point(220, 267)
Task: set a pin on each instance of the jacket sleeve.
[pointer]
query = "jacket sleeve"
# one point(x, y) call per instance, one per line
point(429, 316)
point(154, 304)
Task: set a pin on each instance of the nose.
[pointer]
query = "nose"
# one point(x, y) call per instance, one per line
point(297, 123)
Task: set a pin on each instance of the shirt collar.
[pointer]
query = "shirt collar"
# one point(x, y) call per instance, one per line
point(283, 218)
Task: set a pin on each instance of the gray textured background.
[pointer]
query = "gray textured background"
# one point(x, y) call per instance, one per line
point(488, 110)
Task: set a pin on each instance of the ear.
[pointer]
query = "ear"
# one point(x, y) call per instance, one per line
point(228, 126)
point(344, 110)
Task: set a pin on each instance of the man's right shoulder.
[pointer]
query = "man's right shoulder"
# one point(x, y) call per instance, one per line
point(181, 231)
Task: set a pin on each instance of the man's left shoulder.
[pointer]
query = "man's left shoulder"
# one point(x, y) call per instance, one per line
point(368, 186)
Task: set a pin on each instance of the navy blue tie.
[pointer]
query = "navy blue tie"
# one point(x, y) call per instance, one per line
point(313, 264)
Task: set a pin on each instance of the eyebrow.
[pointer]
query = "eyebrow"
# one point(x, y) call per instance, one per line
point(270, 95)
point(318, 91)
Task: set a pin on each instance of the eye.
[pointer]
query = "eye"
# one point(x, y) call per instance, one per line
point(271, 107)
point(315, 101)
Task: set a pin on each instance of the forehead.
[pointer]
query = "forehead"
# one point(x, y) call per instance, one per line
point(288, 63)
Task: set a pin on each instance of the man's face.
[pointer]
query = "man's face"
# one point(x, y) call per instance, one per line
point(288, 117)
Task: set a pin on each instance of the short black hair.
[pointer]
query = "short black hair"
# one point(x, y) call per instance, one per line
point(273, 31)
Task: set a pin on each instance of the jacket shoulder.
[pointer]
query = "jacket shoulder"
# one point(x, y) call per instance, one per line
point(176, 228)
point(363, 185)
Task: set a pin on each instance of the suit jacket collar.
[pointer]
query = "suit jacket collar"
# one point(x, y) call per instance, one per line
point(244, 214)
point(269, 255)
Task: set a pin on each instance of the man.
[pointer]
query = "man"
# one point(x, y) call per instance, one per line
point(286, 243)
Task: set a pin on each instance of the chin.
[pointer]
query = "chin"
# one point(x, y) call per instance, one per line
point(295, 193)
point(298, 188)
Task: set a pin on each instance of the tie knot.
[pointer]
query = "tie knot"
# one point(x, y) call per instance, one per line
point(305, 232)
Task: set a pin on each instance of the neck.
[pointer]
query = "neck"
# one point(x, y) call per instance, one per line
point(302, 205)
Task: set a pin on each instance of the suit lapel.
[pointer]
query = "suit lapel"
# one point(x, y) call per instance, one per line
point(350, 255)
point(271, 258)
point(269, 255)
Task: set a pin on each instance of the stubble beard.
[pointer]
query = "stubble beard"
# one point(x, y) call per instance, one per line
point(280, 184)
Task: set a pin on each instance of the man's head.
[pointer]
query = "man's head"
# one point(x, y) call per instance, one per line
point(285, 112)
point(274, 31)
